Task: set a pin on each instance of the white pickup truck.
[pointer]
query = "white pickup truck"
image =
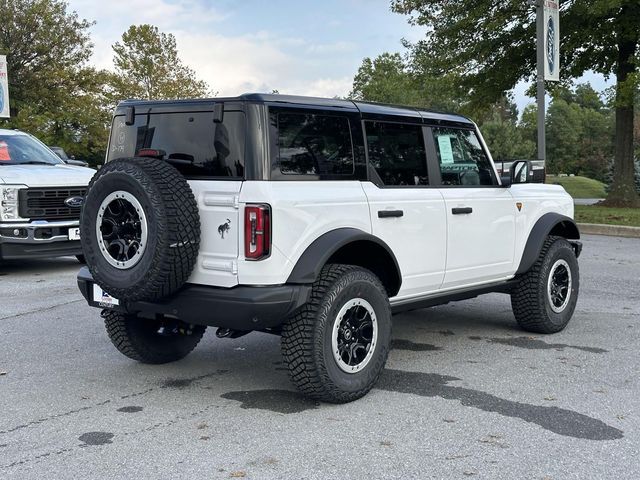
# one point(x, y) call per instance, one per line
point(40, 199)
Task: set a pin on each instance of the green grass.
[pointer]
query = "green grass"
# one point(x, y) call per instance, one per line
point(580, 187)
point(608, 216)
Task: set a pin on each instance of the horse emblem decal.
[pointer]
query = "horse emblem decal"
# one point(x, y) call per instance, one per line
point(224, 228)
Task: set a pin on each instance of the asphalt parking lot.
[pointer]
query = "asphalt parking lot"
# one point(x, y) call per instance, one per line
point(466, 394)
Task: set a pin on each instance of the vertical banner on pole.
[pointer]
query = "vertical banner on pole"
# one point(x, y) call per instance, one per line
point(551, 40)
point(4, 88)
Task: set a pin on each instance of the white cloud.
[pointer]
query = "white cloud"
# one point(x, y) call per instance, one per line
point(161, 13)
point(231, 64)
point(114, 17)
point(331, 48)
point(324, 87)
point(253, 63)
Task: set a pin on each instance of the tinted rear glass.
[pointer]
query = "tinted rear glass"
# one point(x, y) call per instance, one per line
point(397, 153)
point(311, 144)
point(191, 142)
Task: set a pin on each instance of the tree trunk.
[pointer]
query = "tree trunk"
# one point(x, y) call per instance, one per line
point(623, 190)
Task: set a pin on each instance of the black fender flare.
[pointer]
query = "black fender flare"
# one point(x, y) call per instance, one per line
point(308, 267)
point(549, 223)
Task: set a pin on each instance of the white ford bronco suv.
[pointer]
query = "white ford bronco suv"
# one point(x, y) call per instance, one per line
point(316, 220)
point(40, 200)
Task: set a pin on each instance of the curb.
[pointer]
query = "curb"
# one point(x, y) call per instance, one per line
point(612, 230)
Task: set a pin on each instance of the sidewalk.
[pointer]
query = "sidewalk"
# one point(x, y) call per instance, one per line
point(612, 230)
point(586, 201)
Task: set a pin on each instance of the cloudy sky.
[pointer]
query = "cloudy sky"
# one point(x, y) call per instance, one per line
point(301, 47)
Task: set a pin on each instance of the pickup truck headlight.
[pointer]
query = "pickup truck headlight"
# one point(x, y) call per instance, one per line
point(9, 200)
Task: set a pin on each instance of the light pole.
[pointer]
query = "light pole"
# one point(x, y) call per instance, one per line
point(540, 44)
point(548, 58)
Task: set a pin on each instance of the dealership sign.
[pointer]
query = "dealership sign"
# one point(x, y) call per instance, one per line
point(551, 40)
point(4, 88)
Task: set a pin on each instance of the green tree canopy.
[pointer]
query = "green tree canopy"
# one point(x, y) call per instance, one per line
point(384, 79)
point(507, 140)
point(492, 46)
point(54, 94)
point(564, 124)
point(148, 67)
point(389, 78)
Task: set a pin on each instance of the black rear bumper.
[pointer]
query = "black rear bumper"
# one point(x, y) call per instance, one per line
point(238, 308)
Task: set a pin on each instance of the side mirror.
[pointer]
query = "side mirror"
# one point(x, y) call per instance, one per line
point(521, 171)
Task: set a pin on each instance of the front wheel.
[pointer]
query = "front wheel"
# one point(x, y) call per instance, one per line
point(336, 346)
point(545, 297)
point(151, 340)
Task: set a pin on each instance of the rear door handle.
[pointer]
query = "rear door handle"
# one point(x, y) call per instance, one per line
point(390, 213)
point(461, 210)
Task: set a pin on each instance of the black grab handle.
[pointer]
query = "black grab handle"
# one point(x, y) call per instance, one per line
point(390, 213)
point(461, 210)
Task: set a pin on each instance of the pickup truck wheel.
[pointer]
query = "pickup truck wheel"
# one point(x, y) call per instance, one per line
point(150, 340)
point(336, 346)
point(545, 297)
point(140, 229)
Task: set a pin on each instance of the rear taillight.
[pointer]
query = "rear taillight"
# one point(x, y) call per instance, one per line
point(257, 231)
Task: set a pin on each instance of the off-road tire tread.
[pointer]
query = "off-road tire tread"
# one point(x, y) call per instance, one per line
point(299, 334)
point(172, 200)
point(526, 303)
point(130, 344)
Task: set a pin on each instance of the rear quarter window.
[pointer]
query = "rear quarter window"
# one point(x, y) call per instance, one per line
point(313, 146)
point(189, 141)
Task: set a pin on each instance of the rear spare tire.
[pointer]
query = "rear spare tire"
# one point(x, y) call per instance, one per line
point(140, 229)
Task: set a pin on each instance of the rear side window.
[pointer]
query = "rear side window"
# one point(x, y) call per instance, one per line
point(397, 153)
point(191, 142)
point(314, 144)
point(461, 158)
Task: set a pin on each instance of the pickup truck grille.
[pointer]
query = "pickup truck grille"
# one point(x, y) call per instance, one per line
point(48, 203)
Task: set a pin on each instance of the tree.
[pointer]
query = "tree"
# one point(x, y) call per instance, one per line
point(384, 79)
point(493, 46)
point(506, 140)
point(564, 124)
point(500, 129)
point(77, 121)
point(53, 93)
point(389, 79)
point(148, 67)
point(587, 97)
point(596, 147)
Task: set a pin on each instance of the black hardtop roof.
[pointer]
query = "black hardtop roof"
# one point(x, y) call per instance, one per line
point(364, 107)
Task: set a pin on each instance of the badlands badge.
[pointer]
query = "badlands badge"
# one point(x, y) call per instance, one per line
point(519, 206)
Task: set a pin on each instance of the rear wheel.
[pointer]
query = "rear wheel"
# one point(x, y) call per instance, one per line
point(545, 297)
point(151, 340)
point(337, 344)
